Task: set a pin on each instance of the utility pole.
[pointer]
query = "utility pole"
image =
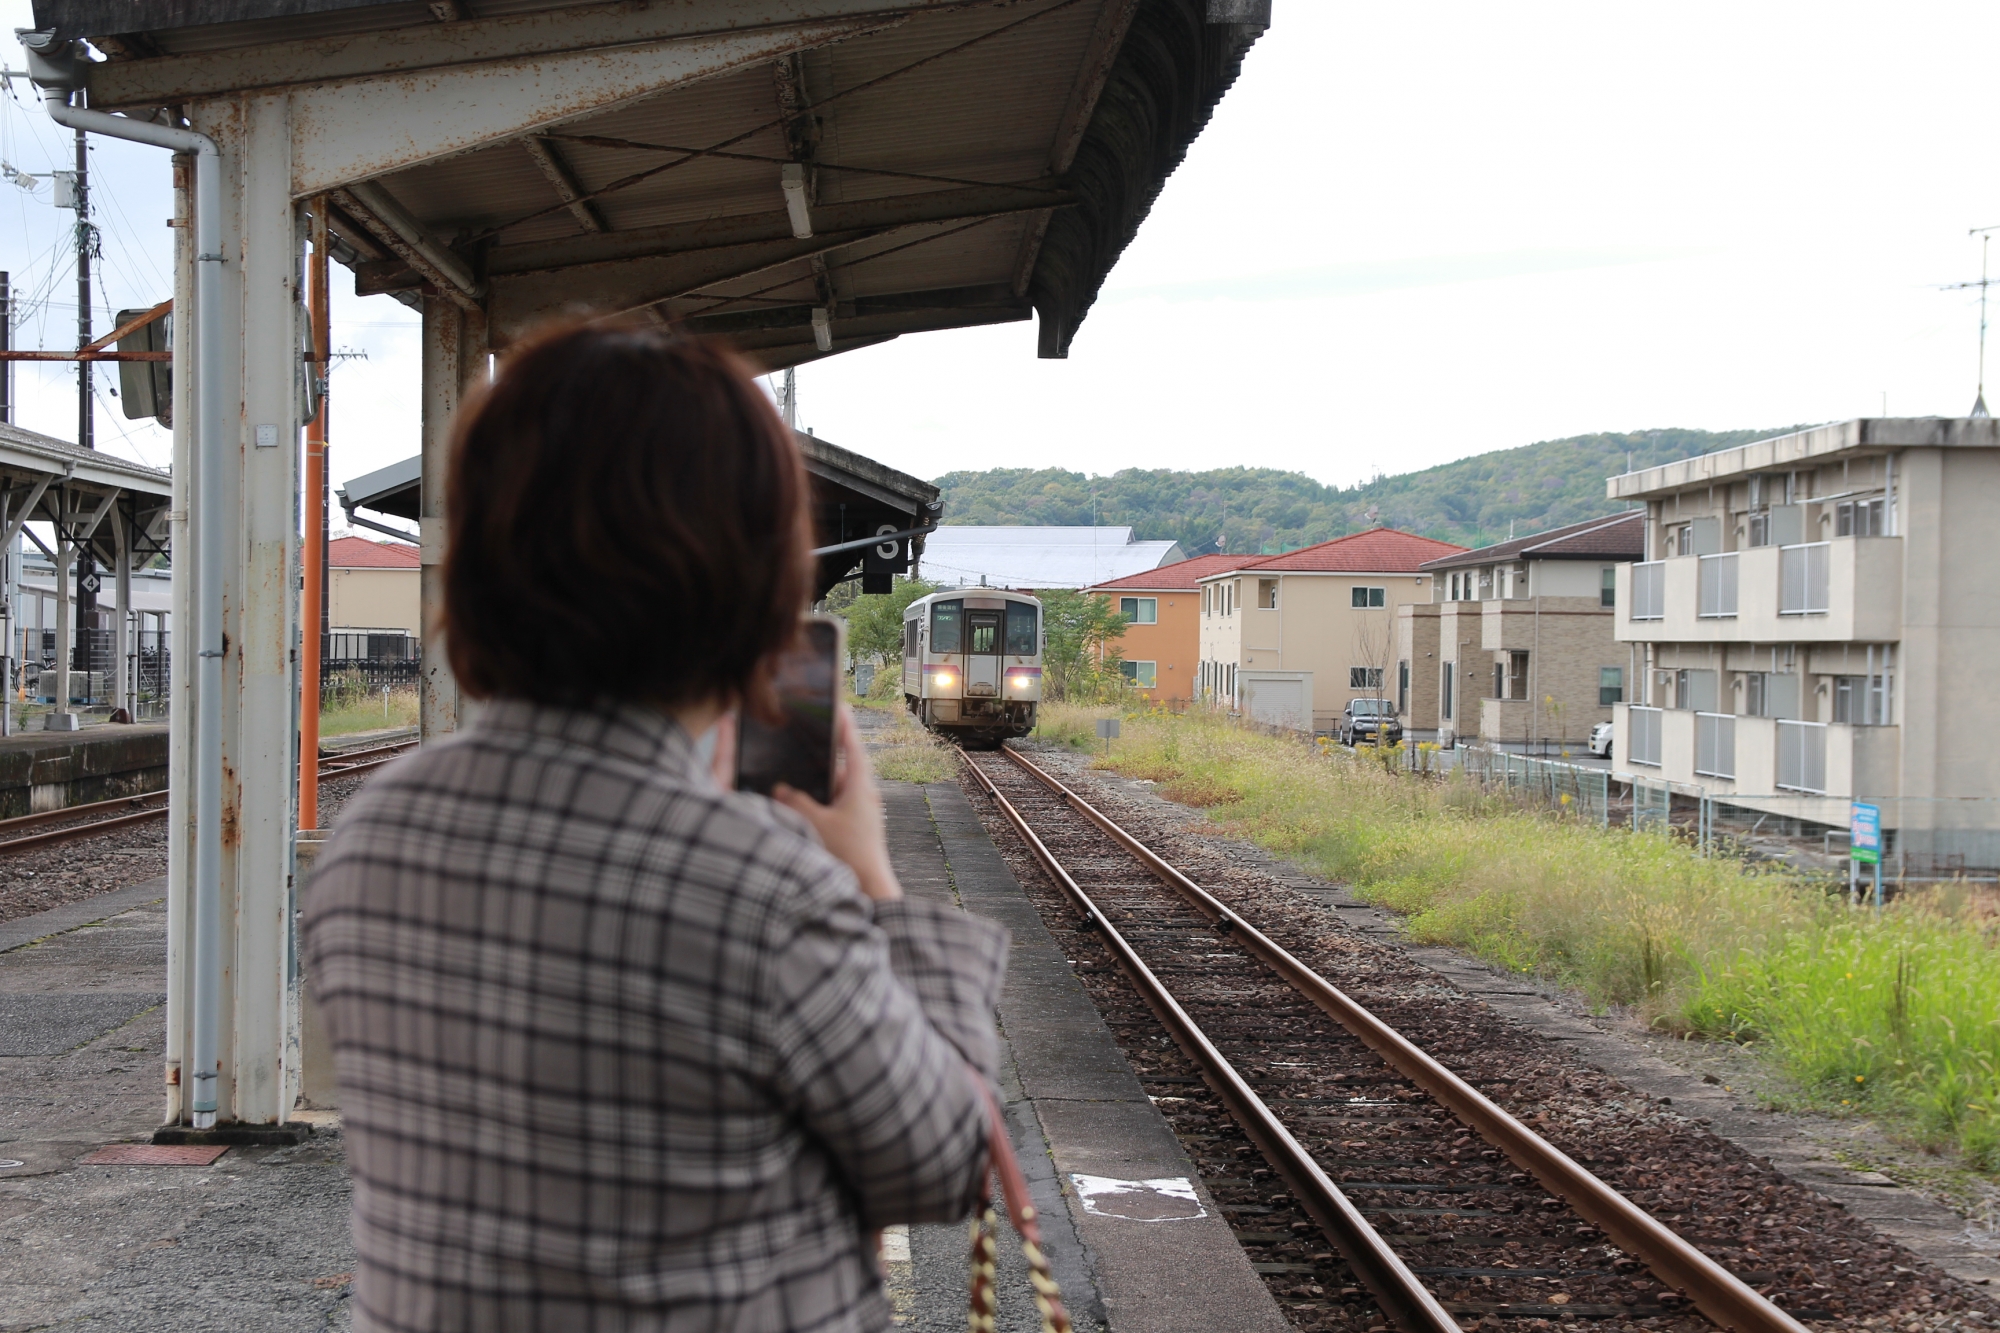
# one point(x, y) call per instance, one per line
point(85, 418)
point(1985, 235)
point(6, 345)
point(788, 399)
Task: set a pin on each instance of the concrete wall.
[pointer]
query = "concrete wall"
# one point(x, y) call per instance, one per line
point(375, 599)
point(1417, 649)
point(41, 770)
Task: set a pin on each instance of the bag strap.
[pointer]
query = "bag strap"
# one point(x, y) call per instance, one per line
point(981, 1309)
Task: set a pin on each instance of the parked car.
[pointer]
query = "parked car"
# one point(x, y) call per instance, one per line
point(1600, 740)
point(1365, 719)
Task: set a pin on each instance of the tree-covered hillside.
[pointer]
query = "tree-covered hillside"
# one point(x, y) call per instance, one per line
point(1470, 502)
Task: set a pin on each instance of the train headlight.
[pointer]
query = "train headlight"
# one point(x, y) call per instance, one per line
point(1018, 682)
point(944, 679)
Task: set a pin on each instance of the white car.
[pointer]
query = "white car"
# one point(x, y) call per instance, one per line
point(1600, 740)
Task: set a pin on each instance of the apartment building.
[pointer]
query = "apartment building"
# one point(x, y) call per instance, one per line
point(1517, 643)
point(1809, 626)
point(1162, 641)
point(1320, 620)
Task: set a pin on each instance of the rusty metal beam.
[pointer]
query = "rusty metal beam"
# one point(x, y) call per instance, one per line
point(166, 80)
point(347, 131)
point(550, 159)
point(378, 210)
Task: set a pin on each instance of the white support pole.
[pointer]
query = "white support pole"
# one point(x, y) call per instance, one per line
point(454, 353)
point(65, 615)
point(177, 689)
point(259, 580)
point(122, 695)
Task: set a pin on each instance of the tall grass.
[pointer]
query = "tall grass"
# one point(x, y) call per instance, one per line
point(1898, 1014)
point(347, 706)
point(906, 752)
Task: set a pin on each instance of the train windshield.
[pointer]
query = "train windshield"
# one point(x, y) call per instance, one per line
point(947, 627)
point(1021, 629)
point(985, 626)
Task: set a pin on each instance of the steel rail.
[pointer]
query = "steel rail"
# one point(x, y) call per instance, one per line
point(29, 842)
point(1404, 1300)
point(1724, 1298)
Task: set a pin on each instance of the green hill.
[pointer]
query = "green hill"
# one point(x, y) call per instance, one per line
point(1470, 501)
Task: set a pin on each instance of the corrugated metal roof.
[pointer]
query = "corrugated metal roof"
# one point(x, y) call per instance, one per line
point(1038, 557)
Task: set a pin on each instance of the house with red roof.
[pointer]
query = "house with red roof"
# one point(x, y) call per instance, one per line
point(1293, 638)
point(1162, 641)
point(372, 591)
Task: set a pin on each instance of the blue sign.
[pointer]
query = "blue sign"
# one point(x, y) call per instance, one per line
point(1864, 833)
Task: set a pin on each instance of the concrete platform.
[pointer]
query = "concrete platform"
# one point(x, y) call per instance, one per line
point(48, 770)
point(1142, 1259)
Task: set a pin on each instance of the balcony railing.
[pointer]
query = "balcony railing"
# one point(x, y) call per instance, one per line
point(1802, 579)
point(1649, 590)
point(1715, 745)
point(1644, 740)
point(1717, 592)
point(1802, 756)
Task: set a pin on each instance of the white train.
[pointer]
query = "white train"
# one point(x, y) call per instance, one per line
point(972, 663)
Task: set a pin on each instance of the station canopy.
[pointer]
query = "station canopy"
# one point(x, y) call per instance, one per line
point(850, 170)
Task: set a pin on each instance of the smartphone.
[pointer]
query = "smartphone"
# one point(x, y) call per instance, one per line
point(799, 751)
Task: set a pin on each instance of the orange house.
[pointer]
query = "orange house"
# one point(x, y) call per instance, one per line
point(1162, 610)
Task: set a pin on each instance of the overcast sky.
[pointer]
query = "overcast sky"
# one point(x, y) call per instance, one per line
point(1411, 233)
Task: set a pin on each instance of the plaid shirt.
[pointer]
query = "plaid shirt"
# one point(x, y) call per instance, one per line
point(620, 1051)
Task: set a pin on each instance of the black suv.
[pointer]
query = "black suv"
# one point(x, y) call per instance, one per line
point(1365, 719)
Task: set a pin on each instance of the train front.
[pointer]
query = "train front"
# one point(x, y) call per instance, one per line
point(973, 664)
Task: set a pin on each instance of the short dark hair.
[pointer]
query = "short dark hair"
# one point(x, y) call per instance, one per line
point(627, 520)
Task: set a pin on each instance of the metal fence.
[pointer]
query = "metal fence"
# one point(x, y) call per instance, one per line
point(1572, 789)
point(371, 673)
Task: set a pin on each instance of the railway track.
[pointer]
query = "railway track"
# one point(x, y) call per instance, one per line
point(76, 822)
point(1386, 1152)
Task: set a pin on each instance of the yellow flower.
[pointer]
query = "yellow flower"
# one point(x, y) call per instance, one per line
point(1860, 1078)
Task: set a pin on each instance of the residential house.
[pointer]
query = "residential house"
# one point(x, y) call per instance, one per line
point(963, 555)
point(1812, 626)
point(372, 595)
point(1517, 644)
point(1162, 641)
point(1323, 616)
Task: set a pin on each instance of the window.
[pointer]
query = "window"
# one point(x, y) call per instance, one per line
point(1858, 518)
point(947, 627)
point(1607, 590)
point(1402, 687)
point(1695, 689)
point(1364, 678)
point(1649, 591)
point(985, 626)
point(1267, 594)
point(1517, 675)
point(1205, 599)
point(1021, 630)
point(1610, 686)
point(910, 636)
point(1444, 693)
point(1143, 674)
point(1232, 680)
point(1861, 700)
point(1140, 610)
point(1369, 597)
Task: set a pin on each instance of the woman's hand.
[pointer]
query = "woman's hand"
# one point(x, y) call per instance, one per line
point(851, 828)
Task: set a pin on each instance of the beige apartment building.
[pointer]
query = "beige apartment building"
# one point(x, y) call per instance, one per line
point(1810, 627)
point(372, 585)
point(1312, 628)
point(1517, 644)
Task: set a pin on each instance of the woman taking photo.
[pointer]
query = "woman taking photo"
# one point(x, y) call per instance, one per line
point(619, 1048)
